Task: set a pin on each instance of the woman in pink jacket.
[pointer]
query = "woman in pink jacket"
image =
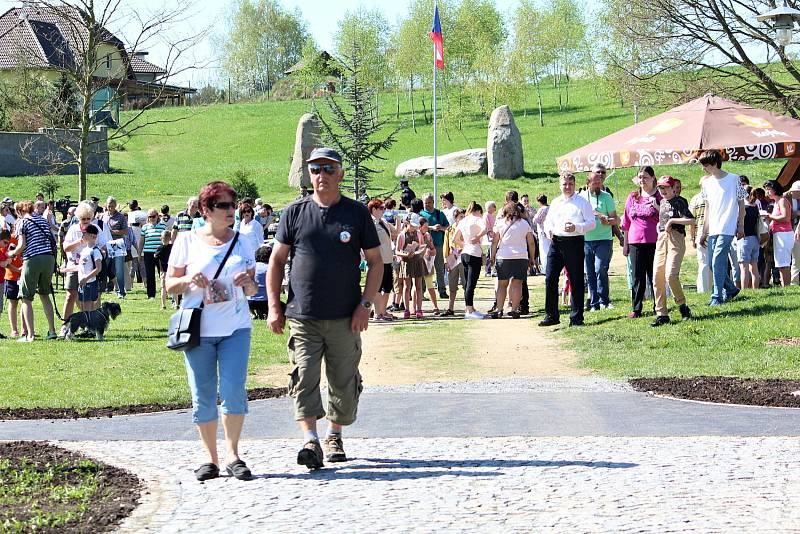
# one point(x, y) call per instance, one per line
point(640, 223)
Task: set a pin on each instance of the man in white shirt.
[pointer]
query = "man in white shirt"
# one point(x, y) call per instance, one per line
point(724, 220)
point(569, 218)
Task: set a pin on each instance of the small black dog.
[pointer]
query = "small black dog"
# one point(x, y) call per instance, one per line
point(95, 321)
point(259, 309)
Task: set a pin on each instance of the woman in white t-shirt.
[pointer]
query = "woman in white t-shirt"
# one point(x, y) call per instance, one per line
point(515, 251)
point(224, 349)
point(469, 233)
point(249, 228)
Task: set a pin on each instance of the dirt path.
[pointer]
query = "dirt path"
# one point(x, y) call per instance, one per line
point(436, 350)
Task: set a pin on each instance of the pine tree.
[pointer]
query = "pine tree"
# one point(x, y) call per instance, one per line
point(64, 105)
point(354, 128)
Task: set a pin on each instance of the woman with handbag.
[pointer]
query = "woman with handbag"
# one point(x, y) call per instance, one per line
point(214, 270)
point(38, 250)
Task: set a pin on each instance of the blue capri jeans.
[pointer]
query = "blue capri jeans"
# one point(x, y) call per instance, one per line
point(229, 355)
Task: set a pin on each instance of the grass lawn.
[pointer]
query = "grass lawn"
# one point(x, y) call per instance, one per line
point(132, 366)
point(727, 340)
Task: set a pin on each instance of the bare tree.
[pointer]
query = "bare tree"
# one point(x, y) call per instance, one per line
point(711, 44)
point(86, 57)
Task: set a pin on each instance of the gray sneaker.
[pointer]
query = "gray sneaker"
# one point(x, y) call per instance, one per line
point(310, 455)
point(334, 450)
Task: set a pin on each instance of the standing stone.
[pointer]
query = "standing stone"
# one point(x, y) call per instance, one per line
point(307, 139)
point(504, 145)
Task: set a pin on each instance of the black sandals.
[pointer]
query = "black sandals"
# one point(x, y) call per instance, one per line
point(206, 472)
point(239, 470)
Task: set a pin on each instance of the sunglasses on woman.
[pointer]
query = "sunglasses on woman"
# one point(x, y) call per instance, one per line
point(223, 205)
point(327, 168)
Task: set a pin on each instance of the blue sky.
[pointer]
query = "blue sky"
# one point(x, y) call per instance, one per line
point(322, 17)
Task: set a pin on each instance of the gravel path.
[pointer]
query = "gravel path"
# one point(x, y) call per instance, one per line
point(512, 385)
point(511, 484)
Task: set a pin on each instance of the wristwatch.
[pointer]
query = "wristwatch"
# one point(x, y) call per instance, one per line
point(366, 304)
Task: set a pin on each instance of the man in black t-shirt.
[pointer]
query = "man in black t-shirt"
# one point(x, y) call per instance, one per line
point(324, 234)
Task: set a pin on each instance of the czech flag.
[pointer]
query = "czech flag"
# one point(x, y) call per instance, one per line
point(438, 40)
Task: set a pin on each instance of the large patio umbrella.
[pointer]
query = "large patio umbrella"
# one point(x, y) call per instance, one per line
point(679, 135)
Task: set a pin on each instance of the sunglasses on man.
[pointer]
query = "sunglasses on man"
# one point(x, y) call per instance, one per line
point(327, 168)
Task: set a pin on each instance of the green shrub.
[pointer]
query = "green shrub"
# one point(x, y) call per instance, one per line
point(244, 186)
point(48, 185)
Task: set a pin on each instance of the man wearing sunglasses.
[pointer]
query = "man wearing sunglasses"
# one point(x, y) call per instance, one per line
point(324, 234)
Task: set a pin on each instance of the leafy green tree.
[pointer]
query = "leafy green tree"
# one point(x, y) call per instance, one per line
point(625, 78)
point(565, 39)
point(314, 70)
point(690, 46)
point(365, 33)
point(352, 129)
point(48, 185)
point(262, 42)
point(529, 53)
point(84, 28)
point(476, 55)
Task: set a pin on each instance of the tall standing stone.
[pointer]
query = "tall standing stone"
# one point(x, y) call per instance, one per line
point(504, 145)
point(306, 139)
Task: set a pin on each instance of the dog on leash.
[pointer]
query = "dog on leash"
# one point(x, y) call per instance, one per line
point(94, 321)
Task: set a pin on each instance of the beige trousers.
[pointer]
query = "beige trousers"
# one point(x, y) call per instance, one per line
point(670, 248)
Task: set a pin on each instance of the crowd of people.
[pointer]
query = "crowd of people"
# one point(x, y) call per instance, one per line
point(97, 249)
point(744, 238)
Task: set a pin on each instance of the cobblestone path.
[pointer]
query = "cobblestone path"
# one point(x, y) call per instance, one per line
point(585, 484)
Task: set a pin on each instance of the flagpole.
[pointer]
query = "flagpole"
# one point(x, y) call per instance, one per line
point(435, 160)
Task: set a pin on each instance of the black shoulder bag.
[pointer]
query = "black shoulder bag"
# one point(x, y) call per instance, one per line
point(184, 325)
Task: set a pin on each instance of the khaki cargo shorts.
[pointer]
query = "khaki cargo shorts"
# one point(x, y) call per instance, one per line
point(311, 341)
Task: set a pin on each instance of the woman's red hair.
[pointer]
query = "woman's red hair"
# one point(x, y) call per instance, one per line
point(213, 191)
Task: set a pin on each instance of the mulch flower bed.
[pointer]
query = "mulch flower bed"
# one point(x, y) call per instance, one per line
point(44, 488)
point(726, 390)
point(110, 411)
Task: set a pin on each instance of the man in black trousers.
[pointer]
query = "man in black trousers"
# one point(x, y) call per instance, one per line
point(569, 218)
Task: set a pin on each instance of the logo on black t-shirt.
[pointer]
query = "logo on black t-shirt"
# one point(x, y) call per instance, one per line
point(345, 237)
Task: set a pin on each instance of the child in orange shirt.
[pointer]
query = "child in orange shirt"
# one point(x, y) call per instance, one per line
point(11, 291)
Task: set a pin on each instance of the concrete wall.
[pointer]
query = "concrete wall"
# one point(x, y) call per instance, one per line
point(34, 154)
